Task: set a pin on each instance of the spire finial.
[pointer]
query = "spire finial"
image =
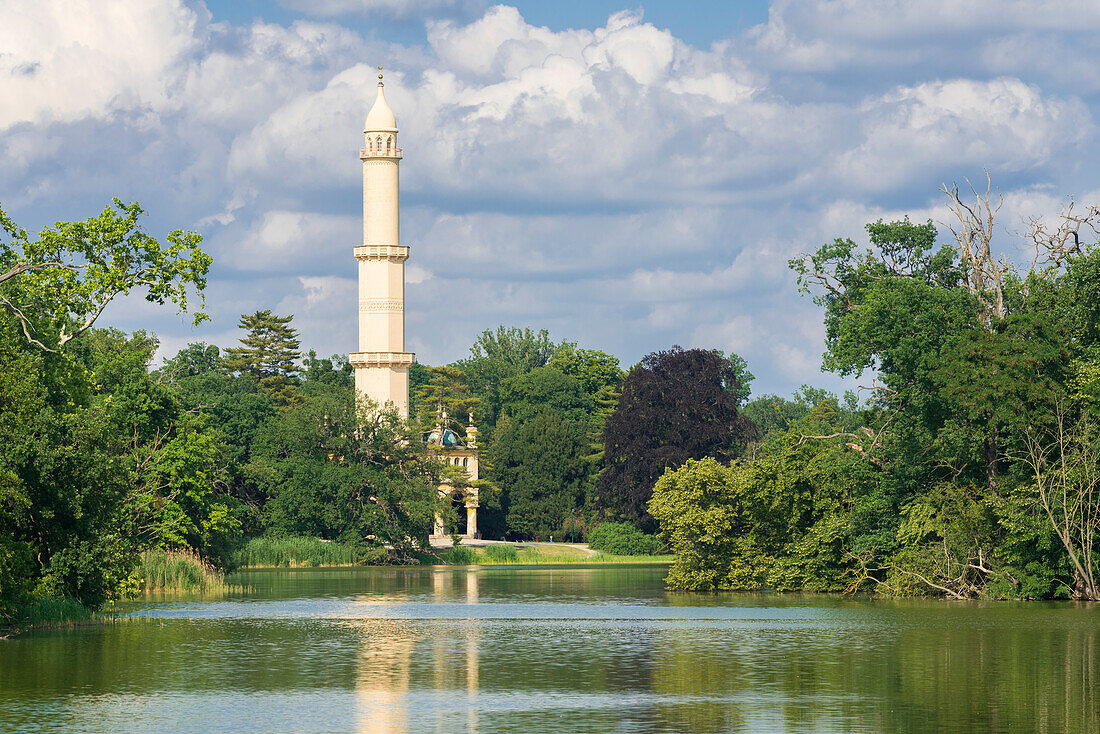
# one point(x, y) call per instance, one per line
point(379, 76)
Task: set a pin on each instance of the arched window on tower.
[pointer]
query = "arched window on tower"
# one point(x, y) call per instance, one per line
point(465, 462)
point(378, 144)
point(389, 141)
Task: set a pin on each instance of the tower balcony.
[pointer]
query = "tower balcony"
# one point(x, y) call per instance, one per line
point(381, 359)
point(396, 253)
point(365, 153)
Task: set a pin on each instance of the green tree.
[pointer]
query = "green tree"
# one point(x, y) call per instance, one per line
point(742, 378)
point(197, 358)
point(600, 376)
point(779, 520)
point(496, 356)
point(268, 352)
point(541, 463)
point(175, 464)
point(324, 373)
point(335, 468)
point(444, 388)
point(544, 387)
point(56, 286)
point(701, 513)
point(234, 406)
point(899, 308)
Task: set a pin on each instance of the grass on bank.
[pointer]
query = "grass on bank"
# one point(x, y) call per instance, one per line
point(161, 570)
point(499, 554)
point(48, 613)
point(291, 551)
point(298, 551)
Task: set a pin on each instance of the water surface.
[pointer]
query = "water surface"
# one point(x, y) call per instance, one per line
point(542, 649)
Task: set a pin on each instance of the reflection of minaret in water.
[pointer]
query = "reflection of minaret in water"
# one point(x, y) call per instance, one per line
point(446, 672)
point(382, 687)
point(381, 364)
point(388, 647)
point(473, 654)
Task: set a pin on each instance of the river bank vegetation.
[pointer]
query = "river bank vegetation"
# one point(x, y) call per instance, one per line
point(529, 554)
point(176, 570)
point(969, 469)
point(966, 466)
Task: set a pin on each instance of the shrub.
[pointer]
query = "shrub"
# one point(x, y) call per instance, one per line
point(622, 539)
point(502, 553)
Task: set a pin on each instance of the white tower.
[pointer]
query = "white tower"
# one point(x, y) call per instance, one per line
point(381, 364)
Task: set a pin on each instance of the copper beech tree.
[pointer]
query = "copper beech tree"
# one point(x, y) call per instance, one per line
point(676, 405)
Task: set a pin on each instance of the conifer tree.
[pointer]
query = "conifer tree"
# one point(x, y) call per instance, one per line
point(446, 387)
point(268, 353)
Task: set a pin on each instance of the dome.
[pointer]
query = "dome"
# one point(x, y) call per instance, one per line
point(450, 438)
point(380, 118)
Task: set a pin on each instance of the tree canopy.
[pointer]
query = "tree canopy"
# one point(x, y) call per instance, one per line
point(268, 352)
point(675, 405)
point(57, 285)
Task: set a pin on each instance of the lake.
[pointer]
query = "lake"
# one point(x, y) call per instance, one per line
point(552, 649)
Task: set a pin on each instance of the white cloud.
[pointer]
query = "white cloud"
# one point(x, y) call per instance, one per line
point(815, 36)
point(281, 240)
point(65, 61)
point(613, 184)
point(1003, 124)
point(386, 8)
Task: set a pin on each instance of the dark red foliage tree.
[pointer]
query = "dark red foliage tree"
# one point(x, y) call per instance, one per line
point(676, 405)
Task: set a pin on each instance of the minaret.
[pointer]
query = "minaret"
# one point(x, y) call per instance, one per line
point(381, 364)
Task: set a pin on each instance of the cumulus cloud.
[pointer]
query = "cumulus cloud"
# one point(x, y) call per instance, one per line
point(385, 8)
point(66, 61)
point(280, 240)
point(614, 184)
point(1003, 125)
point(904, 40)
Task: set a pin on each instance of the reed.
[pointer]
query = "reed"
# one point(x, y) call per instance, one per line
point(298, 550)
point(173, 570)
point(460, 555)
point(502, 553)
point(48, 612)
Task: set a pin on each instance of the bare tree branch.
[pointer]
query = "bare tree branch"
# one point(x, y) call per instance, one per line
point(973, 233)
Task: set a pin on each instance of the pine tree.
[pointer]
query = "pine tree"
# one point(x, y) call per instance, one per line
point(268, 353)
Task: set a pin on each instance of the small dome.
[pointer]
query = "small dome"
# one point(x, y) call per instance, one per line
point(380, 118)
point(450, 438)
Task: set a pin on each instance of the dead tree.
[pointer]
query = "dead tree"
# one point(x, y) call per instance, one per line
point(973, 233)
point(1066, 469)
point(1053, 246)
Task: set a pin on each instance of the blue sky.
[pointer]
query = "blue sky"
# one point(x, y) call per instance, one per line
point(628, 176)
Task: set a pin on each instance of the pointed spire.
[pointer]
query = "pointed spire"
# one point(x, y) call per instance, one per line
point(380, 118)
